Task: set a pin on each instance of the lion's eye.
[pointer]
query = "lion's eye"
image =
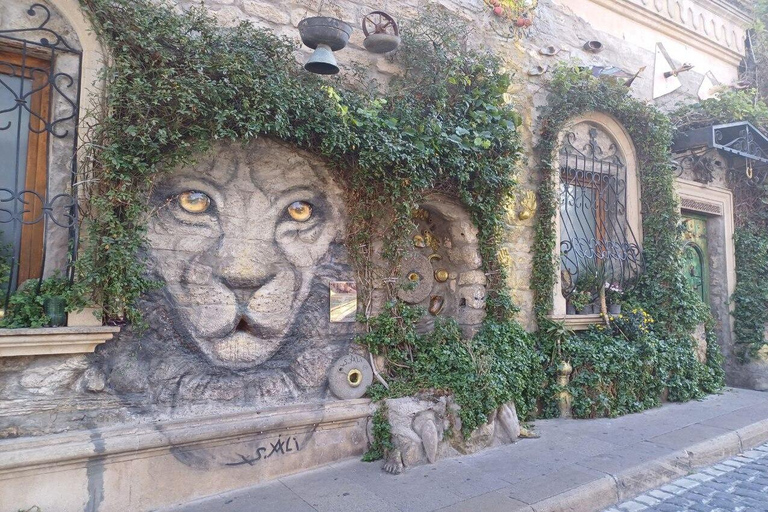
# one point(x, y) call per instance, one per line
point(300, 211)
point(194, 202)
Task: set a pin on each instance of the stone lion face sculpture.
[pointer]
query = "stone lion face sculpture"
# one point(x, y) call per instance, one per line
point(239, 239)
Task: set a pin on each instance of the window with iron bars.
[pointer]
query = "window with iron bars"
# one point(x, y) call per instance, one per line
point(39, 106)
point(598, 247)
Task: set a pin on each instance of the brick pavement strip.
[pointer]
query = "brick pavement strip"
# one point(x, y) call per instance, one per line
point(734, 485)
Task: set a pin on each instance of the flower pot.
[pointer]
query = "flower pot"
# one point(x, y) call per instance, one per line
point(570, 309)
point(54, 308)
point(587, 310)
point(614, 309)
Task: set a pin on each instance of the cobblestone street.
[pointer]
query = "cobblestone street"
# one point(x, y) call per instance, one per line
point(736, 484)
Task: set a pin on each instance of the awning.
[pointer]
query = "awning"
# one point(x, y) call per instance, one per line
point(740, 139)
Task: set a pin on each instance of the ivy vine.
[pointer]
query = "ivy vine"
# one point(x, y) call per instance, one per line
point(750, 298)
point(661, 288)
point(176, 82)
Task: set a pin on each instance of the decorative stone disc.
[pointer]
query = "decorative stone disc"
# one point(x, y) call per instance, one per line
point(414, 290)
point(349, 377)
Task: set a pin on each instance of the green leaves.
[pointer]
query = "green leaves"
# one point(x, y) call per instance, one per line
point(616, 373)
point(499, 365)
point(751, 294)
point(176, 82)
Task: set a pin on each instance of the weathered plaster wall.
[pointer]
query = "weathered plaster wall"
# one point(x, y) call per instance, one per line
point(197, 306)
point(242, 322)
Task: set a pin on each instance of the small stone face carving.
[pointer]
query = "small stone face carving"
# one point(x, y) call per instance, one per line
point(418, 426)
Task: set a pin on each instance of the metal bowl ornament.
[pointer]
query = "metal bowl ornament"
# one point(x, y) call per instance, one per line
point(324, 35)
point(381, 32)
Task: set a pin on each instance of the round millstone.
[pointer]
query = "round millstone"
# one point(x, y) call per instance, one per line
point(349, 377)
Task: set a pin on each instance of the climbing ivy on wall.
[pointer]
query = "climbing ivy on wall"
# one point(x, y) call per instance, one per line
point(750, 298)
point(178, 82)
point(660, 290)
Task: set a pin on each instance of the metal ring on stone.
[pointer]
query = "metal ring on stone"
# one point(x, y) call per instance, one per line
point(349, 377)
point(354, 377)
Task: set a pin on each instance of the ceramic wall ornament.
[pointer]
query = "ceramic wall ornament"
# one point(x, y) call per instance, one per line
point(529, 206)
point(421, 214)
point(549, 50)
point(512, 19)
point(441, 275)
point(431, 240)
point(436, 303)
point(593, 46)
point(505, 260)
point(510, 209)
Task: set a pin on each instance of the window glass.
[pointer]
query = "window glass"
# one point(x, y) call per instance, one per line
point(598, 247)
point(14, 139)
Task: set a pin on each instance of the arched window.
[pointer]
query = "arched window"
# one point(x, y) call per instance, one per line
point(599, 230)
point(41, 59)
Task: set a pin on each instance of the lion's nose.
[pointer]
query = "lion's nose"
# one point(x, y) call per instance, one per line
point(247, 265)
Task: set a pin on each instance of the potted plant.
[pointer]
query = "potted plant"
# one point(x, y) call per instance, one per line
point(613, 295)
point(581, 300)
point(41, 303)
point(588, 285)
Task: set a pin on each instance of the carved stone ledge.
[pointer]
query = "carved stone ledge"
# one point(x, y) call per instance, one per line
point(709, 25)
point(53, 340)
point(192, 457)
point(578, 322)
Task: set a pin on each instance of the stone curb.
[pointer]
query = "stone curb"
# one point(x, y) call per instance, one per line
point(619, 487)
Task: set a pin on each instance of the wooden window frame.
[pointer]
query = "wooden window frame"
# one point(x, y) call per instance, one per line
point(31, 246)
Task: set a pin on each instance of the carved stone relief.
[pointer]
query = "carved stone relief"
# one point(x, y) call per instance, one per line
point(246, 241)
point(419, 426)
point(443, 271)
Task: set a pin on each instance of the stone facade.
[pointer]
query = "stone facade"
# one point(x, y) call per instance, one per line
point(249, 238)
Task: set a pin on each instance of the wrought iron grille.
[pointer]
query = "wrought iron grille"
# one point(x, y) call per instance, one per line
point(703, 167)
point(39, 98)
point(597, 244)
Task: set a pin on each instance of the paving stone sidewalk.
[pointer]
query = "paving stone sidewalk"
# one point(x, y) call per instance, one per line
point(736, 484)
point(584, 465)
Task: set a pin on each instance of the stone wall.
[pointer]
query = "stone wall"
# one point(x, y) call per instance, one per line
point(207, 342)
point(243, 319)
point(248, 240)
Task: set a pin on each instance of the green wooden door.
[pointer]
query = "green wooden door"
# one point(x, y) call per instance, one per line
point(695, 254)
